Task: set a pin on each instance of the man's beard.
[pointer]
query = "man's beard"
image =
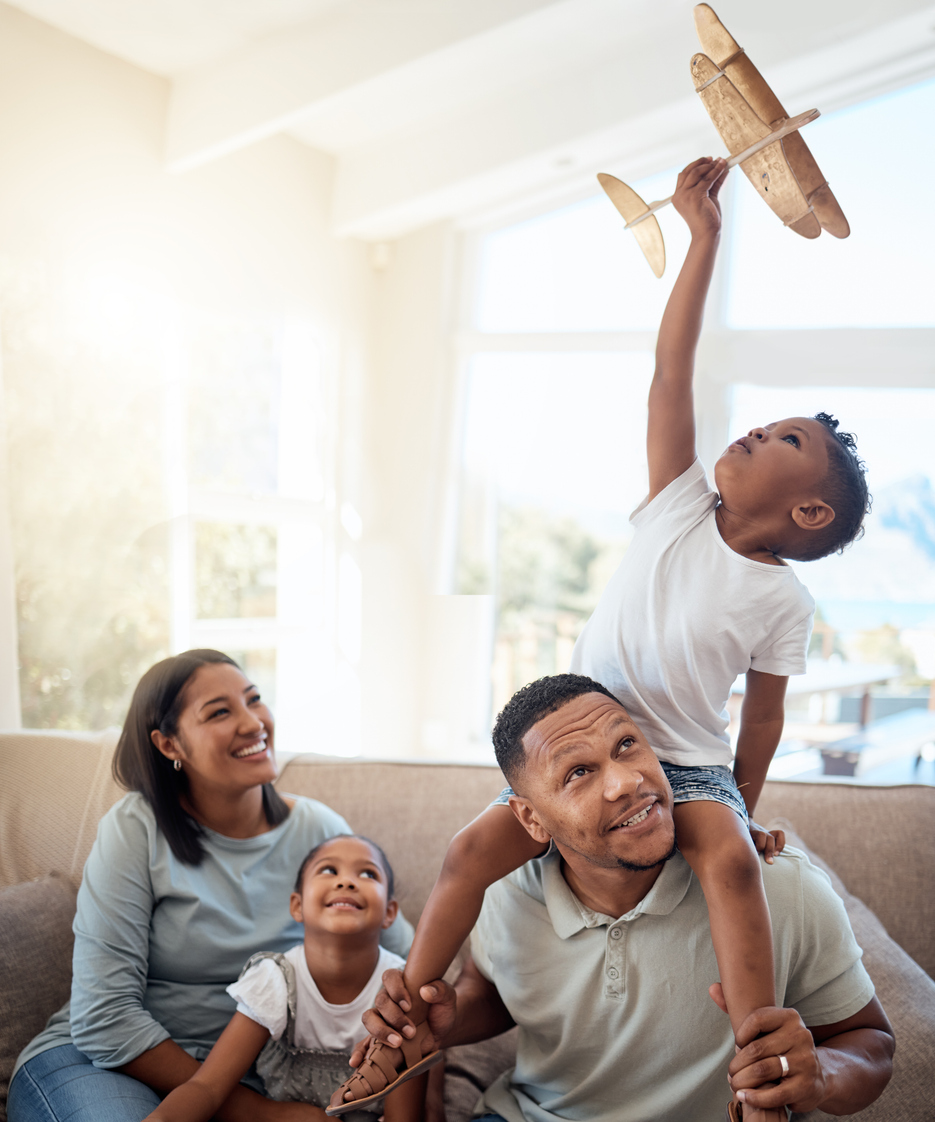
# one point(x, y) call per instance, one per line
point(634, 867)
point(608, 862)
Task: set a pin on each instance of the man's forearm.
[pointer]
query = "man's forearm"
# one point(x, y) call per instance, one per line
point(481, 1012)
point(857, 1067)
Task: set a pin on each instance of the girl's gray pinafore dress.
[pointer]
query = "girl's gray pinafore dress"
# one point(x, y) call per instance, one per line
point(293, 1074)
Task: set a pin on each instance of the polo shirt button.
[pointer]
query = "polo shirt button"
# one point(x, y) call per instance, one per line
point(615, 933)
point(613, 972)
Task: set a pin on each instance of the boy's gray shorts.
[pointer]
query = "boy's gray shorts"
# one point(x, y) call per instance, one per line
point(710, 783)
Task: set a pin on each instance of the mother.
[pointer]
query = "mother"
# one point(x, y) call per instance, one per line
point(190, 875)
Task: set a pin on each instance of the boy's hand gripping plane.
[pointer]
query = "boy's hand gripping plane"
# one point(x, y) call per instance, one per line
point(760, 137)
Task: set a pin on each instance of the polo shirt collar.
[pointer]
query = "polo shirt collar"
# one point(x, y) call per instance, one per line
point(569, 915)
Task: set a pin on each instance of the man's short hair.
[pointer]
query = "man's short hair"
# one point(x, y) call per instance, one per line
point(527, 707)
point(845, 490)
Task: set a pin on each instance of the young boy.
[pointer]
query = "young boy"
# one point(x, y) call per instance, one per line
point(702, 595)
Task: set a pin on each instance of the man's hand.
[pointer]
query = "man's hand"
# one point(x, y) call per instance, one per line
point(755, 1073)
point(387, 1020)
point(840, 1068)
point(767, 842)
point(696, 195)
point(469, 1011)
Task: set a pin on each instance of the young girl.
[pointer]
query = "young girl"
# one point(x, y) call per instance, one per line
point(298, 1013)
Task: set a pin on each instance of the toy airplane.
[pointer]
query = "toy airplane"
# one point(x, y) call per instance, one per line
point(760, 137)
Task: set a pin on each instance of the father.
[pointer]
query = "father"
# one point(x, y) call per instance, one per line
point(601, 950)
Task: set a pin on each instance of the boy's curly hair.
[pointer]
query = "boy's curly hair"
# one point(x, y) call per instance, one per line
point(844, 488)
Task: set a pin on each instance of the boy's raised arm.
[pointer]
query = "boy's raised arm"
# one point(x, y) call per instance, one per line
point(670, 439)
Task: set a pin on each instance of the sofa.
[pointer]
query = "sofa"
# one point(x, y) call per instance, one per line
point(877, 844)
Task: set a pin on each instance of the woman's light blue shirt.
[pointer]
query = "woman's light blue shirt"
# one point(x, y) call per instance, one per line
point(157, 941)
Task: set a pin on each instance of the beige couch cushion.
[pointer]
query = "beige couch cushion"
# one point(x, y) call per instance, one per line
point(906, 993)
point(881, 844)
point(412, 810)
point(35, 963)
point(56, 788)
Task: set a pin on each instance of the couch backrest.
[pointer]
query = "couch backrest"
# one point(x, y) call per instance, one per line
point(54, 789)
point(411, 809)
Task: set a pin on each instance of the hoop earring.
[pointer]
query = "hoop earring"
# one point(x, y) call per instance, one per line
point(177, 764)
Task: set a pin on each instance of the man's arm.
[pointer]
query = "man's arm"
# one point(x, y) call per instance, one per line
point(670, 437)
point(839, 1068)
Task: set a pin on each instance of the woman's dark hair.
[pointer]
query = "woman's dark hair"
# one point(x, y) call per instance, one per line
point(158, 701)
point(384, 861)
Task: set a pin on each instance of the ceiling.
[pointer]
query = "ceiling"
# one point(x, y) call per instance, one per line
point(448, 108)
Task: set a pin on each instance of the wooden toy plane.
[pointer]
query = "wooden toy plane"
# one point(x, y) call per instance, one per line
point(760, 137)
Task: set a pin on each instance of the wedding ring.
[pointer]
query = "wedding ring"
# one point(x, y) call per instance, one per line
point(784, 1064)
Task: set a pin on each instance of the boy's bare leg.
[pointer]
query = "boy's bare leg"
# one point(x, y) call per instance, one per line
point(717, 845)
point(488, 848)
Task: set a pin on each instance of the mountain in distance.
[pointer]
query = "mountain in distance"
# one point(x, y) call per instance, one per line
point(892, 566)
point(909, 506)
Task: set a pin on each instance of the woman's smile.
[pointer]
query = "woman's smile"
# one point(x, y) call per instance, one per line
point(253, 749)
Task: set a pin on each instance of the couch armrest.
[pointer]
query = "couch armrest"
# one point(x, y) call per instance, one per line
point(36, 942)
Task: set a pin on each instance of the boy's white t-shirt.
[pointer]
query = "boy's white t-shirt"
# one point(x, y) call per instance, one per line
point(684, 615)
point(261, 995)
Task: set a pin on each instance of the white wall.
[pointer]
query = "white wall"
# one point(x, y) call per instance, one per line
point(83, 190)
point(82, 186)
point(408, 426)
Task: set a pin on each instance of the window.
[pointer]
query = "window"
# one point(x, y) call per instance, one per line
point(575, 269)
point(876, 601)
point(170, 487)
point(557, 362)
point(554, 462)
point(883, 275)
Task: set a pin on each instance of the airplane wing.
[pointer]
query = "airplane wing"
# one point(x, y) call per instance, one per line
point(646, 230)
point(768, 170)
point(749, 85)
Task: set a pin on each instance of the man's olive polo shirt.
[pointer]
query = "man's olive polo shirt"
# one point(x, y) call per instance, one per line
point(616, 1024)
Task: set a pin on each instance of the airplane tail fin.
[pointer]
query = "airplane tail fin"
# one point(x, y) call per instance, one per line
point(646, 232)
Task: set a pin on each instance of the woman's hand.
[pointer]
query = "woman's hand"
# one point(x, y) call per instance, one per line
point(696, 195)
point(291, 1112)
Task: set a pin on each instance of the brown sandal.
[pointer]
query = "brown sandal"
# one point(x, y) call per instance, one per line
point(377, 1074)
point(735, 1112)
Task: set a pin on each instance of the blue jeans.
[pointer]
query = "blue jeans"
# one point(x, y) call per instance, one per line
point(63, 1084)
